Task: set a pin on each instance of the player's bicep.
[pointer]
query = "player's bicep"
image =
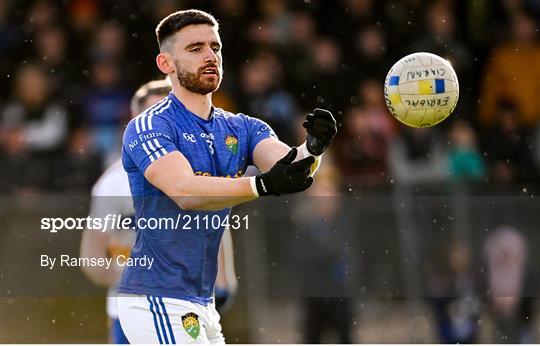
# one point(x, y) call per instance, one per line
point(169, 173)
point(264, 146)
point(146, 144)
point(268, 152)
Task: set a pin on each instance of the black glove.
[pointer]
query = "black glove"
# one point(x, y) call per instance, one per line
point(321, 129)
point(285, 176)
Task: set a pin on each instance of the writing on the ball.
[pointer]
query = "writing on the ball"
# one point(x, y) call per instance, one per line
point(426, 72)
point(429, 102)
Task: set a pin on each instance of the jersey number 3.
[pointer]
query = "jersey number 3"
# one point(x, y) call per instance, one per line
point(210, 146)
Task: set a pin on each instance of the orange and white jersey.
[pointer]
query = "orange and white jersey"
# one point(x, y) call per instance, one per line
point(111, 195)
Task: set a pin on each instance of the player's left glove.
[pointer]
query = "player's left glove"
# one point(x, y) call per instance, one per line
point(285, 176)
point(321, 129)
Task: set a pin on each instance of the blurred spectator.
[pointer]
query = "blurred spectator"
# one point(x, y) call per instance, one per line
point(275, 13)
point(260, 34)
point(161, 9)
point(10, 42)
point(417, 156)
point(321, 253)
point(361, 150)
point(464, 159)
point(359, 11)
point(512, 74)
point(79, 167)
point(302, 29)
point(505, 251)
point(33, 129)
point(42, 120)
point(297, 52)
point(404, 18)
point(441, 39)
point(347, 17)
point(263, 96)
point(21, 172)
point(327, 86)
point(233, 17)
point(362, 147)
point(370, 58)
point(51, 46)
point(105, 107)
point(109, 42)
point(373, 104)
point(271, 26)
point(508, 147)
point(83, 16)
point(42, 14)
point(454, 298)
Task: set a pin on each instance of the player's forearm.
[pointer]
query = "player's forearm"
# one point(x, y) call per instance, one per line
point(101, 276)
point(212, 193)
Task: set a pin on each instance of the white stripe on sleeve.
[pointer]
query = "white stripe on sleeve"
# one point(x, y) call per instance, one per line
point(148, 152)
point(153, 149)
point(158, 145)
point(156, 111)
point(137, 125)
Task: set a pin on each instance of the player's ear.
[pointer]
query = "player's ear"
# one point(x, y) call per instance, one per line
point(165, 63)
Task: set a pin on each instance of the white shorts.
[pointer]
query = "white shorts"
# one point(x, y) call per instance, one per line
point(153, 320)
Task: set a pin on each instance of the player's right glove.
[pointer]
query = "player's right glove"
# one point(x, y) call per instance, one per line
point(285, 176)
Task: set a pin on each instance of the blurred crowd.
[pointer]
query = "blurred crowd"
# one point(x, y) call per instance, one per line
point(68, 69)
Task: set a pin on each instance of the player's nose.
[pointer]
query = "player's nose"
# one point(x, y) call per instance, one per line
point(210, 55)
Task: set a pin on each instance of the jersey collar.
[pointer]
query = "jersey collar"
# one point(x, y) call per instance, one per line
point(179, 103)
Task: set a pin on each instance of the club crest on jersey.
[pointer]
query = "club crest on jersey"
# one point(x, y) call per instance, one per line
point(190, 322)
point(232, 144)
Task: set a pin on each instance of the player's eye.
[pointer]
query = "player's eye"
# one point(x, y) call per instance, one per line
point(216, 49)
point(195, 49)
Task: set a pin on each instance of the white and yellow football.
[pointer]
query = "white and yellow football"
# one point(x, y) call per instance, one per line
point(421, 89)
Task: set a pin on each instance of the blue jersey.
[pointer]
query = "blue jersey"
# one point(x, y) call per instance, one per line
point(185, 260)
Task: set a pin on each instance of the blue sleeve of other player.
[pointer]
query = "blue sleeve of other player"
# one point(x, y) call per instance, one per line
point(146, 139)
point(257, 130)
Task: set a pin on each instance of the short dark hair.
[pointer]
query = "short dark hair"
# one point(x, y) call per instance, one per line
point(153, 88)
point(174, 22)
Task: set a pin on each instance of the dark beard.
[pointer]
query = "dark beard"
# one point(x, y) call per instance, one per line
point(194, 83)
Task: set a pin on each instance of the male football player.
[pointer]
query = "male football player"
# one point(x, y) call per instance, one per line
point(180, 156)
point(111, 196)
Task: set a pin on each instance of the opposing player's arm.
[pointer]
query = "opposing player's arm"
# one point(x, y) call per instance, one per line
point(173, 175)
point(94, 244)
point(226, 281)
